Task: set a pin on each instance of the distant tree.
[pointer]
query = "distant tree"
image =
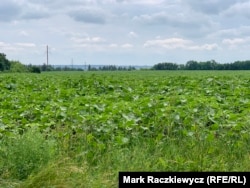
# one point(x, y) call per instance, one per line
point(208, 65)
point(33, 68)
point(165, 66)
point(192, 65)
point(46, 67)
point(181, 67)
point(4, 62)
point(16, 66)
point(130, 68)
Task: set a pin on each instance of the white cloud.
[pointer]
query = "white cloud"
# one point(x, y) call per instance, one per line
point(207, 47)
point(113, 45)
point(89, 15)
point(88, 40)
point(178, 43)
point(26, 45)
point(3, 44)
point(239, 9)
point(231, 32)
point(132, 34)
point(89, 43)
point(184, 22)
point(210, 6)
point(104, 29)
point(169, 43)
point(145, 2)
point(127, 45)
point(236, 43)
point(23, 33)
point(156, 18)
point(10, 48)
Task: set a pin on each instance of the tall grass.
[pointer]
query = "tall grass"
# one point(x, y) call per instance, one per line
point(24, 154)
point(171, 154)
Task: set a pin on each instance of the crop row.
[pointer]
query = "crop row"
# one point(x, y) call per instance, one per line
point(120, 107)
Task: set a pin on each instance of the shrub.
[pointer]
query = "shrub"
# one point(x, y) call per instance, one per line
point(24, 154)
point(35, 69)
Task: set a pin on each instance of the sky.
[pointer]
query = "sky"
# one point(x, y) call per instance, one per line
point(124, 32)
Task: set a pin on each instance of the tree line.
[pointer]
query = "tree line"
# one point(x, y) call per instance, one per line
point(203, 65)
point(45, 67)
point(111, 68)
point(16, 66)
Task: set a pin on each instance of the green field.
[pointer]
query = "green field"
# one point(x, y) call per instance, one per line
point(79, 129)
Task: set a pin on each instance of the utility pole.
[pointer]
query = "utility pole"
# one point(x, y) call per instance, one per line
point(47, 52)
point(72, 63)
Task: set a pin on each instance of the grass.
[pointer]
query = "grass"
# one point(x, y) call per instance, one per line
point(169, 154)
point(25, 154)
point(185, 155)
point(70, 152)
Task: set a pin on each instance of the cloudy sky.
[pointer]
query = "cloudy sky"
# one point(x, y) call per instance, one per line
point(124, 32)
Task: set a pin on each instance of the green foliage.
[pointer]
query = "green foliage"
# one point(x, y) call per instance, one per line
point(24, 154)
point(106, 122)
point(16, 66)
point(165, 66)
point(169, 154)
point(4, 62)
point(204, 65)
point(35, 69)
point(67, 173)
point(126, 105)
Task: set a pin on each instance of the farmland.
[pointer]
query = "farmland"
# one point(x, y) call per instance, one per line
point(79, 129)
